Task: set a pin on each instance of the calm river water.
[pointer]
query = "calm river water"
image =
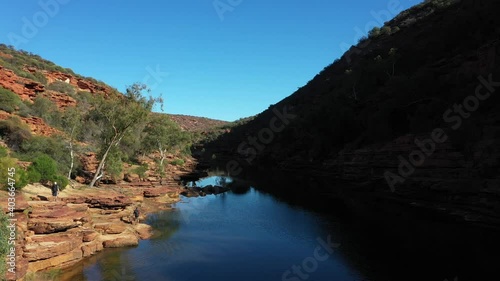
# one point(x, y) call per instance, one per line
point(250, 235)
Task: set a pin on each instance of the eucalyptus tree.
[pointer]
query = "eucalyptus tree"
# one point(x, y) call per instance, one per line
point(117, 116)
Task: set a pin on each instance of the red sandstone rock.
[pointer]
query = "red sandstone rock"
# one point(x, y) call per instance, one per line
point(61, 100)
point(79, 83)
point(89, 235)
point(50, 217)
point(52, 245)
point(144, 231)
point(90, 248)
point(26, 89)
point(110, 228)
point(58, 261)
point(39, 127)
point(121, 241)
point(96, 201)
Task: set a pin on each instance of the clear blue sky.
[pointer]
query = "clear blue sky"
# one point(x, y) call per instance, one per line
point(222, 64)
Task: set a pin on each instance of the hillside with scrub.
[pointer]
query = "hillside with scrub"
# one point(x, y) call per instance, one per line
point(58, 126)
point(410, 114)
point(78, 128)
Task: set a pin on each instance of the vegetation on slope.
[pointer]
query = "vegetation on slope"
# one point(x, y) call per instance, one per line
point(117, 127)
point(19, 60)
point(389, 85)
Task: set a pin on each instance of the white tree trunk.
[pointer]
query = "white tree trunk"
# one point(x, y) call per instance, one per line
point(71, 153)
point(98, 172)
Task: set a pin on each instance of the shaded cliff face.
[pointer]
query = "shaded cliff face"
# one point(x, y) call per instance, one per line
point(413, 111)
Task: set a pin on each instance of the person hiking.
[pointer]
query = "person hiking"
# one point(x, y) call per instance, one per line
point(136, 215)
point(55, 190)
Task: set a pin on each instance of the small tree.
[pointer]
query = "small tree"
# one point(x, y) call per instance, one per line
point(374, 33)
point(118, 115)
point(71, 123)
point(162, 135)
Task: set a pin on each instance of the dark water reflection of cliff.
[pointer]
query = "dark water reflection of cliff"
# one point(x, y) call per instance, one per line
point(250, 234)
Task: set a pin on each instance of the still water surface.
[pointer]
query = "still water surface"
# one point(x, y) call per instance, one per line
point(249, 236)
point(246, 234)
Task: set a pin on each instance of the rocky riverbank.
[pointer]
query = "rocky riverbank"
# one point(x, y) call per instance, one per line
point(83, 221)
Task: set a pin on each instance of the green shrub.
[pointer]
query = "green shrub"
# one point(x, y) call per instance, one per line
point(54, 147)
point(7, 108)
point(24, 109)
point(62, 181)
point(26, 74)
point(3, 152)
point(386, 30)
point(14, 132)
point(18, 175)
point(44, 169)
point(177, 162)
point(45, 166)
point(62, 87)
point(23, 178)
point(114, 163)
point(40, 78)
point(141, 170)
point(374, 33)
point(47, 110)
point(33, 176)
point(9, 101)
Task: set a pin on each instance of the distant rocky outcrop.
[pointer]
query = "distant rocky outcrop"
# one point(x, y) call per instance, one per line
point(26, 89)
point(196, 124)
point(79, 83)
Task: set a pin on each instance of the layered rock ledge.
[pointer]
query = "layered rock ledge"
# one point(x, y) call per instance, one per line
point(83, 221)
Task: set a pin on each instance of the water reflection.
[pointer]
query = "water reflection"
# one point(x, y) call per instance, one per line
point(164, 226)
point(247, 234)
point(240, 235)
